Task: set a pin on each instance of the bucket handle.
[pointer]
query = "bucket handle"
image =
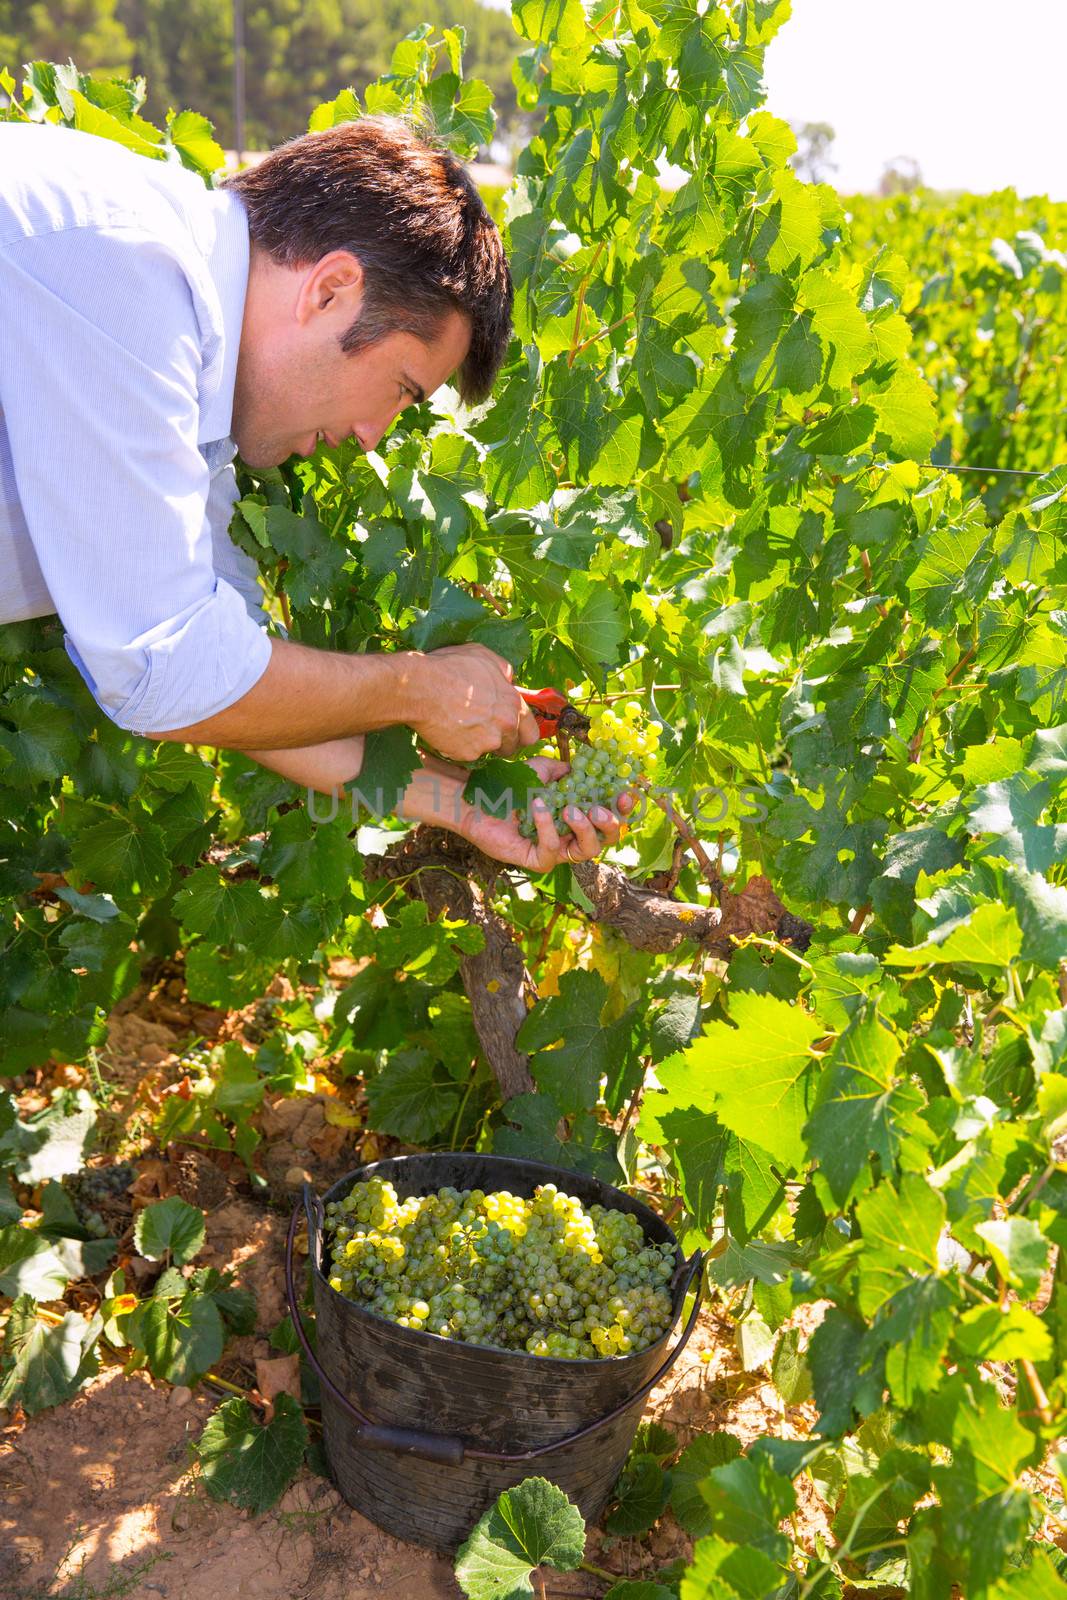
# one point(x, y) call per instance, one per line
point(443, 1449)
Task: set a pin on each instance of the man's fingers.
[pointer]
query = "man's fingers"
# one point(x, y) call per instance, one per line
point(527, 732)
point(547, 834)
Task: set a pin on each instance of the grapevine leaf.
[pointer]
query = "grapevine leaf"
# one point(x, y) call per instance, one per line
point(728, 1571)
point(1019, 1250)
point(842, 1378)
point(389, 760)
point(1002, 1333)
point(757, 1074)
point(181, 1338)
point(988, 940)
point(448, 619)
point(917, 1322)
point(531, 1133)
point(864, 1106)
point(900, 1227)
point(169, 1227)
point(696, 1461)
point(30, 1264)
point(1041, 909)
point(122, 856)
point(51, 1143)
point(41, 741)
point(43, 1366)
point(248, 1463)
point(413, 1097)
point(527, 1527)
point(641, 1495)
point(747, 1500)
point(587, 1049)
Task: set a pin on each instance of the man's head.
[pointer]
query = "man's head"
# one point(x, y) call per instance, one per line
point(376, 275)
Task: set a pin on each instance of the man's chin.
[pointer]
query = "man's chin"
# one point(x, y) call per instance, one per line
point(260, 457)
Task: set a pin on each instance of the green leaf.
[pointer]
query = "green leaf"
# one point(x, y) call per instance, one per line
point(449, 618)
point(587, 1050)
point(41, 741)
point(707, 1450)
point(641, 1497)
point(31, 1264)
point(757, 1074)
point(727, 1571)
point(901, 1227)
point(223, 912)
point(864, 1107)
point(748, 1500)
point(1002, 1333)
point(248, 1463)
point(841, 1376)
point(596, 630)
point(917, 1323)
point(413, 1097)
point(1019, 1250)
point(1041, 909)
point(530, 1526)
point(989, 940)
point(842, 433)
point(43, 1366)
point(122, 856)
point(191, 136)
point(53, 1142)
point(531, 1134)
point(1011, 812)
point(906, 414)
point(389, 760)
point(169, 1227)
point(182, 1338)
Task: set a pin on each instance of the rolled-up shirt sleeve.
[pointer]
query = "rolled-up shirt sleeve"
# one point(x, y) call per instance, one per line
point(101, 401)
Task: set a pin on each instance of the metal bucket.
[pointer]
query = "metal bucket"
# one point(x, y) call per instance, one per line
point(422, 1433)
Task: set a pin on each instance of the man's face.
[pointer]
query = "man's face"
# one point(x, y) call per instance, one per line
point(296, 385)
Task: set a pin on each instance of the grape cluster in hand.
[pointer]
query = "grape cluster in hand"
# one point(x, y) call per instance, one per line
point(541, 1275)
point(621, 751)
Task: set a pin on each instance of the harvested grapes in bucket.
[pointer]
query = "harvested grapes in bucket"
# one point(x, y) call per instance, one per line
point(543, 1275)
point(620, 754)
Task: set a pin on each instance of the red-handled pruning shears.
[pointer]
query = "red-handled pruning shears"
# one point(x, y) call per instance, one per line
point(555, 714)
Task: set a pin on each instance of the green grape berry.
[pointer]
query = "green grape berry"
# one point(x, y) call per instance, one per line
point(621, 754)
point(543, 1274)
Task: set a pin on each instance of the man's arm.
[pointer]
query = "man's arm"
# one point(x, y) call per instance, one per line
point(459, 700)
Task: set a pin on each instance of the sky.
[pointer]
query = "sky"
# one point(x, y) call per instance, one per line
point(974, 90)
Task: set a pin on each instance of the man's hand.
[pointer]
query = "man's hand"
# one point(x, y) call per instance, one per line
point(469, 706)
point(459, 699)
point(436, 795)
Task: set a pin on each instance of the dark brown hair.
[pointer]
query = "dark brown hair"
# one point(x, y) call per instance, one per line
point(410, 213)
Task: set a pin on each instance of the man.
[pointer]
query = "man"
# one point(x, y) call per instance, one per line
point(150, 329)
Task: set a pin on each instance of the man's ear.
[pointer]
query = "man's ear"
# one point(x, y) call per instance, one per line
point(331, 288)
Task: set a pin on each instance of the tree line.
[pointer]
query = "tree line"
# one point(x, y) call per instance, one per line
point(297, 52)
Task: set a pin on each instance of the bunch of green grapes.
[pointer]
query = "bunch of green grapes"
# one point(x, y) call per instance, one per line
point(95, 1190)
point(542, 1275)
point(621, 753)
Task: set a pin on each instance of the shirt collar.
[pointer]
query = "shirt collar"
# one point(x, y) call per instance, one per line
point(226, 255)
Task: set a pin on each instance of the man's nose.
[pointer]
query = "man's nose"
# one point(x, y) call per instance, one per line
point(369, 434)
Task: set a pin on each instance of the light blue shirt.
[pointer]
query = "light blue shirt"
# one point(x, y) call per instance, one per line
point(122, 288)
